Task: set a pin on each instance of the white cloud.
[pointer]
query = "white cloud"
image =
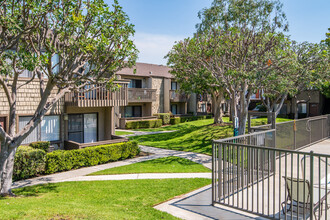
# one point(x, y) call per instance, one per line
point(153, 47)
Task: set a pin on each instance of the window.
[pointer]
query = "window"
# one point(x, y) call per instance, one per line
point(133, 111)
point(174, 86)
point(135, 83)
point(47, 130)
point(203, 108)
point(55, 63)
point(302, 108)
point(50, 128)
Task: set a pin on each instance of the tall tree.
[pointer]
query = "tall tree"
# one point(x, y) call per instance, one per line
point(68, 45)
point(240, 35)
point(184, 59)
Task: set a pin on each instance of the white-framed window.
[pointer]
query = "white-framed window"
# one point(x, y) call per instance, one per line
point(47, 130)
point(302, 108)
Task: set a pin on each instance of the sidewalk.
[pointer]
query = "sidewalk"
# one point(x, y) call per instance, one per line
point(139, 133)
point(80, 174)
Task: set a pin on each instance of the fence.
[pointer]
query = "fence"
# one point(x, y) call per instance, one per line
point(262, 174)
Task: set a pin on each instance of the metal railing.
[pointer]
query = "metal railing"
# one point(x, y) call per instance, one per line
point(257, 173)
point(177, 96)
point(141, 95)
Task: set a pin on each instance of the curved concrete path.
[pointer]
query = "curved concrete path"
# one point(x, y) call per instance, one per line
point(80, 174)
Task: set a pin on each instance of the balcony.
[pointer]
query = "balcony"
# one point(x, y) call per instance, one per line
point(98, 96)
point(177, 97)
point(141, 95)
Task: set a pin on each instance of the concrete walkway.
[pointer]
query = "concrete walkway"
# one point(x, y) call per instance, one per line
point(80, 174)
point(139, 133)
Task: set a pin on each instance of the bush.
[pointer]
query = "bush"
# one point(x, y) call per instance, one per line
point(28, 162)
point(178, 120)
point(144, 124)
point(62, 160)
point(175, 120)
point(165, 117)
point(42, 145)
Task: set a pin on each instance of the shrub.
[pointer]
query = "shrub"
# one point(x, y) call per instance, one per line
point(144, 124)
point(42, 145)
point(62, 160)
point(28, 162)
point(165, 117)
point(175, 120)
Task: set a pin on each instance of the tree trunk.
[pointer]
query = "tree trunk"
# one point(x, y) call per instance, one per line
point(218, 113)
point(7, 157)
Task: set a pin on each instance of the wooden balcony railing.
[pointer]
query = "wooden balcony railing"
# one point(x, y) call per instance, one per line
point(98, 96)
point(177, 96)
point(141, 95)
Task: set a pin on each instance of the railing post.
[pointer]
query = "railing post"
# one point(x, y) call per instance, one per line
point(311, 185)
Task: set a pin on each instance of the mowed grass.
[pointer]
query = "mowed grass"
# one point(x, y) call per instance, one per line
point(125, 199)
point(195, 136)
point(123, 133)
point(160, 165)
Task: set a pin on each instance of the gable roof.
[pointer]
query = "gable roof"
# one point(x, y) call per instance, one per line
point(147, 70)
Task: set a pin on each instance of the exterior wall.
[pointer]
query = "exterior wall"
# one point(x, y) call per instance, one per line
point(167, 87)
point(28, 98)
point(192, 104)
point(158, 106)
point(104, 125)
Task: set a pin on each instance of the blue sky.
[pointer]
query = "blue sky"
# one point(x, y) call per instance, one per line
point(159, 23)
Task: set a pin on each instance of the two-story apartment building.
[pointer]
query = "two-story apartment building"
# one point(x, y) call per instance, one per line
point(77, 120)
point(151, 89)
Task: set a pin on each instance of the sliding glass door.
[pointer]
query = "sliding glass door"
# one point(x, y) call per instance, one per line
point(90, 128)
point(82, 128)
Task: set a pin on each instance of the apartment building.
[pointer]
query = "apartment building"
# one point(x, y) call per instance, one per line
point(79, 119)
point(152, 89)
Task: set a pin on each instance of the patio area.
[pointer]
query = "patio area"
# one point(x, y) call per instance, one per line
point(198, 204)
point(279, 173)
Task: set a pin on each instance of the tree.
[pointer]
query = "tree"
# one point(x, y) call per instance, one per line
point(234, 40)
point(91, 40)
point(193, 76)
point(311, 70)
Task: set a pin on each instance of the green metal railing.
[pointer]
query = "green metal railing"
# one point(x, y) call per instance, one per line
point(250, 173)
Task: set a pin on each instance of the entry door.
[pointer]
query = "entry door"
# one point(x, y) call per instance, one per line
point(174, 109)
point(313, 109)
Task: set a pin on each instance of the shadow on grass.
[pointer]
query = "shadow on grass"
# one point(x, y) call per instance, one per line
point(33, 191)
point(188, 138)
point(170, 160)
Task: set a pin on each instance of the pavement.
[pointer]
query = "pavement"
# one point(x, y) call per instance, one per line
point(81, 174)
point(139, 133)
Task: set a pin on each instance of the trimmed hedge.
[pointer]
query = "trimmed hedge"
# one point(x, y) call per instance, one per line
point(63, 160)
point(42, 145)
point(144, 124)
point(166, 117)
point(175, 120)
point(28, 162)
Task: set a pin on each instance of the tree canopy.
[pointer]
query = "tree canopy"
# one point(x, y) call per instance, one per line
point(66, 45)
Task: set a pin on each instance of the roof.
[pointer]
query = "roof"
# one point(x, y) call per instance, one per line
point(147, 70)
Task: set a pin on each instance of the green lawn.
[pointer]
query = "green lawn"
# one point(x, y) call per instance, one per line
point(195, 136)
point(123, 132)
point(125, 199)
point(161, 165)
